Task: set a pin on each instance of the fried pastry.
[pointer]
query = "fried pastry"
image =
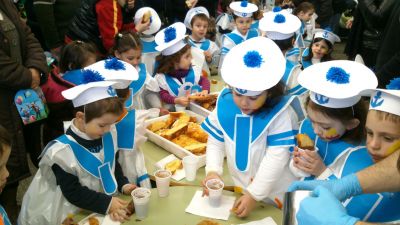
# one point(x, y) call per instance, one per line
point(305, 142)
point(197, 149)
point(174, 165)
point(156, 126)
point(146, 16)
point(93, 221)
point(194, 130)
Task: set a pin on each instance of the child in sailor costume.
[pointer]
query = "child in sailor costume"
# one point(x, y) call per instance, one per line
point(130, 126)
point(320, 49)
point(281, 27)
point(197, 20)
point(259, 162)
point(382, 141)
point(177, 77)
point(149, 52)
point(79, 170)
point(144, 90)
point(242, 14)
point(340, 157)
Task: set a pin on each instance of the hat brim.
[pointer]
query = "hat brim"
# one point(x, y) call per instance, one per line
point(180, 35)
point(361, 78)
point(155, 20)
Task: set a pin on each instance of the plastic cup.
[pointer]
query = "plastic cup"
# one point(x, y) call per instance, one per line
point(190, 167)
point(215, 187)
point(163, 177)
point(179, 108)
point(141, 201)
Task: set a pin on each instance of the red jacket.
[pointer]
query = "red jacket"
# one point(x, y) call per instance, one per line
point(109, 20)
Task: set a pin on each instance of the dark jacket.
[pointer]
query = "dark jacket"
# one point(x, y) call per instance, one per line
point(388, 61)
point(366, 33)
point(84, 25)
point(13, 77)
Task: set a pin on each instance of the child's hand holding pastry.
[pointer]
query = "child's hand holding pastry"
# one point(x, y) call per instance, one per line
point(184, 101)
point(244, 205)
point(308, 161)
point(208, 56)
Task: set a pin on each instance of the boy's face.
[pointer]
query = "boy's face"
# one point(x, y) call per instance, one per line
point(132, 56)
point(3, 169)
point(306, 16)
point(243, 24)
point(199, 29)
point(97, 127)
point(381, 136)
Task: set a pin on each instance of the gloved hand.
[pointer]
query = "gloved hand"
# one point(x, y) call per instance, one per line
point(343, 188)
point(322, 208)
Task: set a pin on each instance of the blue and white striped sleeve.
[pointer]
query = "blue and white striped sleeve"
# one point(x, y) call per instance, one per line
point(283, 130)
point(210, 125)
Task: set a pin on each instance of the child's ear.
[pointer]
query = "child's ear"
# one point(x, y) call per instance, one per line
point(117, 54)
point(80, 116)
point(353, 123)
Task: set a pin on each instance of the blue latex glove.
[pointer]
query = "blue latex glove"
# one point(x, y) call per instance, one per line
point(343, 188)
point(322, 208)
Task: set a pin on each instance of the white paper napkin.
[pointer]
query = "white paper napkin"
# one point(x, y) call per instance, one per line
point(104, 220)
point(200, 206)
point(265, 221)
point(178, 175)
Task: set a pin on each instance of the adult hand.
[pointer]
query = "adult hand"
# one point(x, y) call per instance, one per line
point(244, 205)
point(140, 27)
point(342, 188)
point(35, 78)
point(210, 175)
point(120, 215)
point(322, 208)
point(116, 205)
point(308, 161)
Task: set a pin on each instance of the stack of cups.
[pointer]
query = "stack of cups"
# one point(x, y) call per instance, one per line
point(163, 178)
point(190, 166)
point(215, 187)
point(141, 200)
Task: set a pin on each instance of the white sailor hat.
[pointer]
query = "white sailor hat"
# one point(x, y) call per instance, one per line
point(114, 69)
point(192, 12)
point(111, 69)
point(171, 39)
point(155, 22)
point(387, 100)
point(91, 92)
point(253, 66)
point(327, 35)
point(243, 8)
point(279, 25)
point(337, 83)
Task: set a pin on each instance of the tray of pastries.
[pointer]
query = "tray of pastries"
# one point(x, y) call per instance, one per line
point(179, 133)
point(203, 105)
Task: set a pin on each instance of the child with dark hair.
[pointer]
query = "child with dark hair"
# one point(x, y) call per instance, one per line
point(197, 20)
point(144, 91)
point(335, 123)
point(242, 15)
point(320, 49)
point(80, 169)
point(5, 150)
point(74, 56)
point(176, 76)
point(253, 125)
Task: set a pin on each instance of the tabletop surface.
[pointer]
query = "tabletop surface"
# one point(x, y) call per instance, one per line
point(171, 210)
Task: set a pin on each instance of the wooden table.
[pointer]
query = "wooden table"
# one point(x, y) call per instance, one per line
point(171, 210)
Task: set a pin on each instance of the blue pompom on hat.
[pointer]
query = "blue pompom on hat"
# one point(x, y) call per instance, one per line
point(337, 83)
point(279, 25)
point(171, 39)
point(251, 69)
point(243, 8)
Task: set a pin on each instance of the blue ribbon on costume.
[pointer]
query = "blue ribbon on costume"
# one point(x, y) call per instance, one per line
point(242, 141)
point(92, 165)
point(126, 131)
